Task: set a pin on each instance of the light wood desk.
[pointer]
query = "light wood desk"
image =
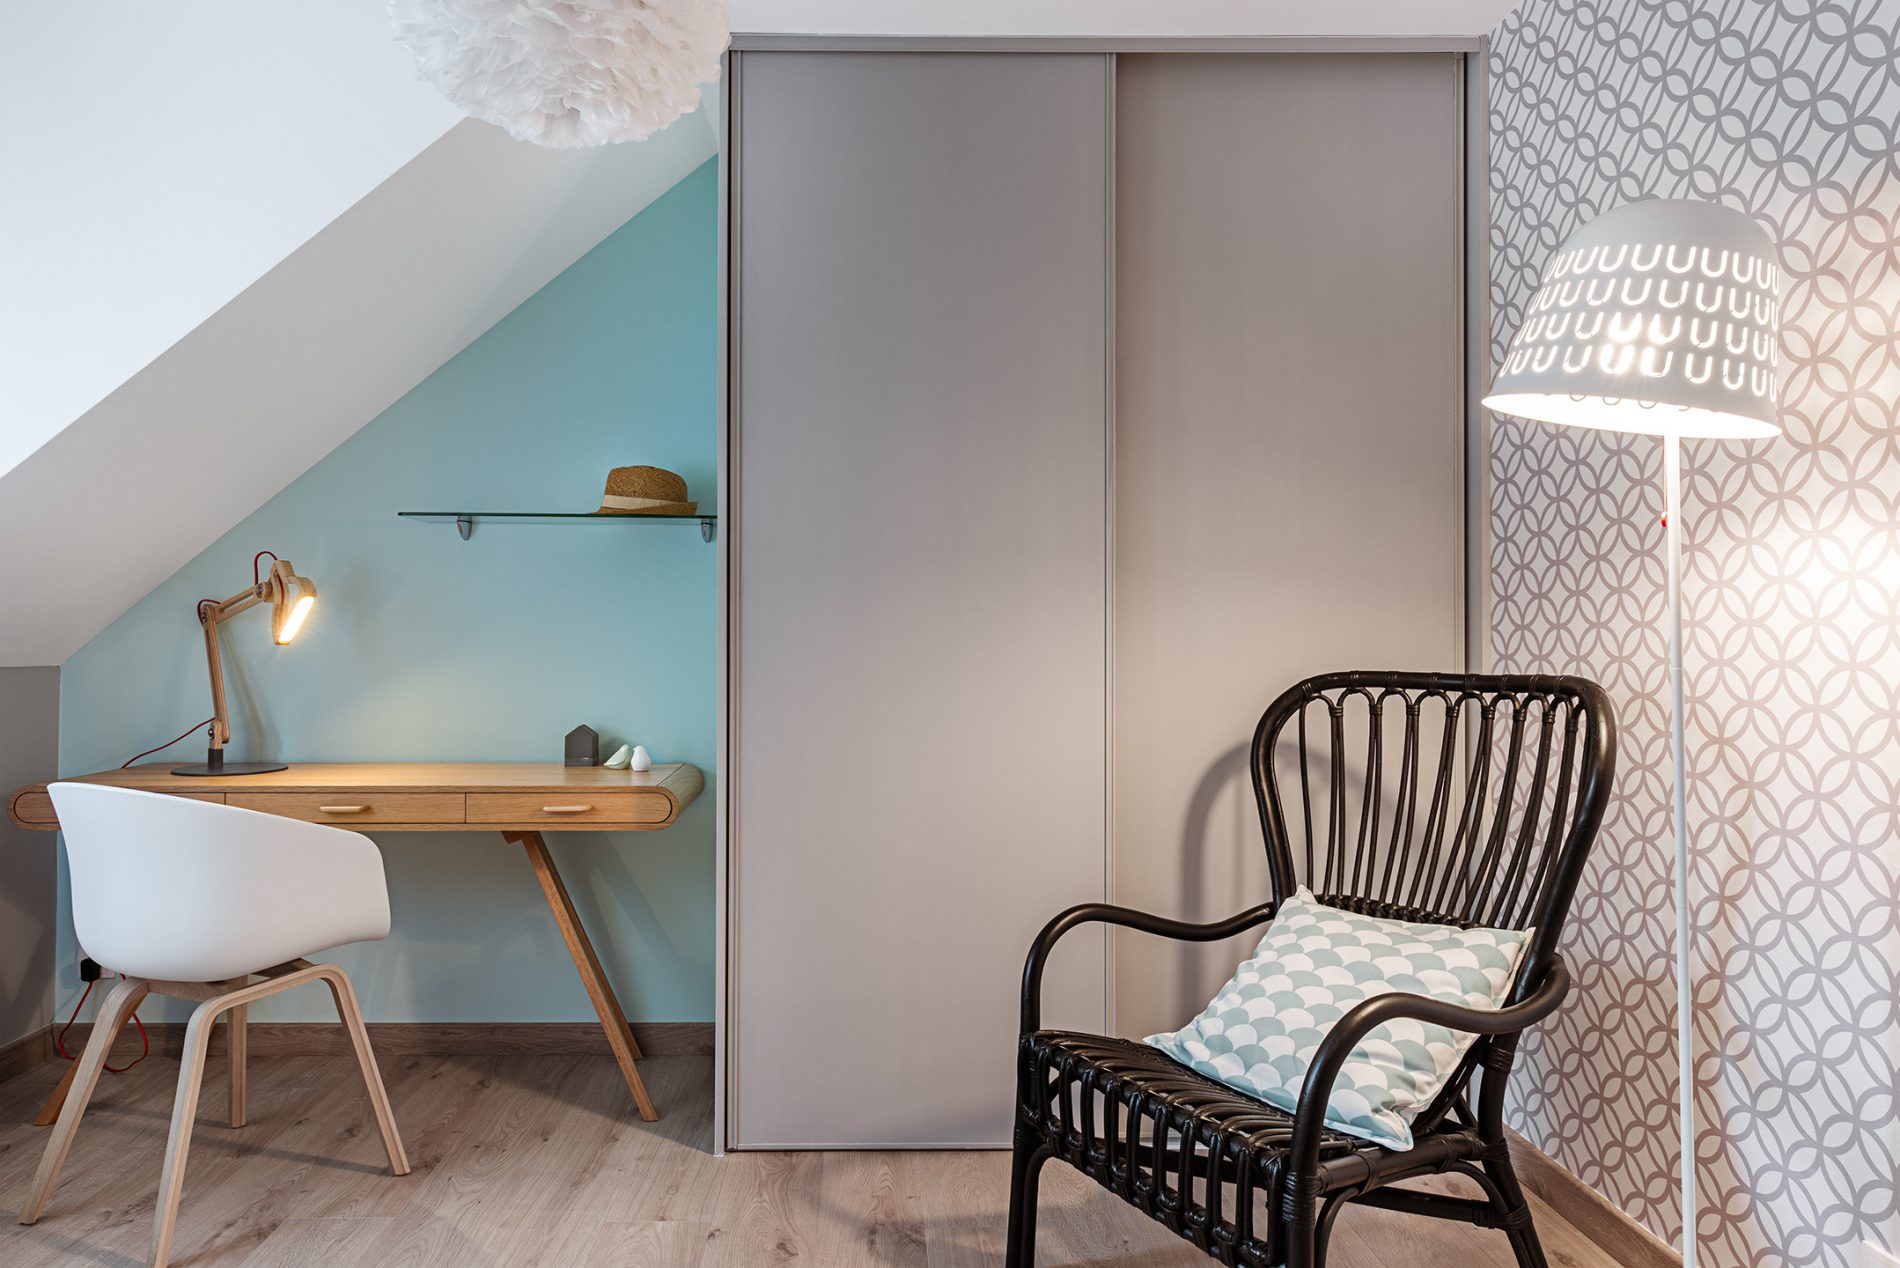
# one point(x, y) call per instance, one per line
point(520, 800)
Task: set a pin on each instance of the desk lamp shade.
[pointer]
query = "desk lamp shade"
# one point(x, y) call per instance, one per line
point(292, 597)
point(1659, 317)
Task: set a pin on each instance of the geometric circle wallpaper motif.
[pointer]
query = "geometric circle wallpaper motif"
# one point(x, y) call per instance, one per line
point(1789, 112)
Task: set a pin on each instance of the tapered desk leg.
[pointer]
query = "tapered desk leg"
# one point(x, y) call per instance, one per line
point(612, 1020)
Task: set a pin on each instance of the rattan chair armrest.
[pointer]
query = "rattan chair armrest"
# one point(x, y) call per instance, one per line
point(1363, 1018)
point(1127, 918)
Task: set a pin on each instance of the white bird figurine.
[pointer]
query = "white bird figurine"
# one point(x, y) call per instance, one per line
point(642, 760)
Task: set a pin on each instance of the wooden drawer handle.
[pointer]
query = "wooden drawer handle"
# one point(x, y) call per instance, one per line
point(342, 810)
point(565, 810)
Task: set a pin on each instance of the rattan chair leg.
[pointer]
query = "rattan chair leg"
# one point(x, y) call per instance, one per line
point(1516, 1211)
point(1025, 1175)
point(1302, 1239)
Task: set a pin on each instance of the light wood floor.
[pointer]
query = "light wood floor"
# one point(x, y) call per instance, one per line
point(541, 1161)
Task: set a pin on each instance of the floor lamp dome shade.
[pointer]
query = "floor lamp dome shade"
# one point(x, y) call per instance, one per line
point(1660, 317)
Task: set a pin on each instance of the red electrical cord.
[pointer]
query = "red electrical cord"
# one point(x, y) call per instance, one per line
point(145, 1040)
point(255, 575)
point(167, 744)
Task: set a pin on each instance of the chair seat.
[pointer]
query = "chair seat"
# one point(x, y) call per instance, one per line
point(1110, 1102)
point(1142, 1077)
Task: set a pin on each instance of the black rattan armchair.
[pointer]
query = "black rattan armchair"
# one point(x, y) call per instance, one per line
point(1458, 799)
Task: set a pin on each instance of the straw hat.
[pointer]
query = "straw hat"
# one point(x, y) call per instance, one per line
point(645, 491)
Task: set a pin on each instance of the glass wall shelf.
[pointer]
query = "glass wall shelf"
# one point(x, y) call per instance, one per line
point(465, 521)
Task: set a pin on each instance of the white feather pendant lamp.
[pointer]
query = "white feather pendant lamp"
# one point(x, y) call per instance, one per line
point(567, 73)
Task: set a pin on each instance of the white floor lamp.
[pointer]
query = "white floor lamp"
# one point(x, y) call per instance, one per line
point(1657, 318)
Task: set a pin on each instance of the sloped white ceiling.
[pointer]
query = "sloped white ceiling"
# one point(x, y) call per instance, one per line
point(296, 363)
point(158, 158)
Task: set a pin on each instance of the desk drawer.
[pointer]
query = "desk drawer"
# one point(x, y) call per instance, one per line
point(591, 805)
point(348, 808)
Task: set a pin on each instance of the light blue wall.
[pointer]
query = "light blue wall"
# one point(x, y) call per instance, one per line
point(424, 646)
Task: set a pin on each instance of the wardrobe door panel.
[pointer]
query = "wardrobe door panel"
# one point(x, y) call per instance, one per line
point(919, 475)
point(1288, 452)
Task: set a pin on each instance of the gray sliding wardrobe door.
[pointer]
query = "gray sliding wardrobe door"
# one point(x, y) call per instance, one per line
point(919, 581)
point(1288, 443)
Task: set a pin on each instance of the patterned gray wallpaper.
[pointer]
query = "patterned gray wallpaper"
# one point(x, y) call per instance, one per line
point(1791, 112)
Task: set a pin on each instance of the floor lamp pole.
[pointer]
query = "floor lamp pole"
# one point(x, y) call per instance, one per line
point(1685, 1003)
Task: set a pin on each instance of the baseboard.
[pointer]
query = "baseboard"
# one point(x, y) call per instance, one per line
point(1601, 1221)
point(393, 1039)
point(26, 1052)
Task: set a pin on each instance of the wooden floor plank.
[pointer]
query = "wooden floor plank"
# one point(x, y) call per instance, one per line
point(767, 1212)
point(870, 1210)
point(436, 1098)
point(534, 1161)
point(302, 1241)
point(959, 1200)
point(620, 1244)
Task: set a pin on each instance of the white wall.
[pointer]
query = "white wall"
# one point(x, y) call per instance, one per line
point(159, 158)
point(29, 754)
point(1118, 17)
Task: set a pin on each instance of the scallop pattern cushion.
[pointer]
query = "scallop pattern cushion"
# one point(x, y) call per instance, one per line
point(1260, 1033)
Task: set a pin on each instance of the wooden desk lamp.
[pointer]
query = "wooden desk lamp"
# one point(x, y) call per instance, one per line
point(290, 597)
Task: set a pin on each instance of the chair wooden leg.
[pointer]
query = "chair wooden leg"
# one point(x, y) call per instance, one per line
point(56, 1101)
point(237, 1044)
point(214, 999)
point(352, 1017)
point(171, 1181)
point(83, 1078)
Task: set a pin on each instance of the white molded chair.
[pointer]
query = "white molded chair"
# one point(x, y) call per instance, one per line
point(194, 899)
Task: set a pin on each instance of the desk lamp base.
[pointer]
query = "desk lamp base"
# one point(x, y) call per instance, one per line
point(214, 764)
